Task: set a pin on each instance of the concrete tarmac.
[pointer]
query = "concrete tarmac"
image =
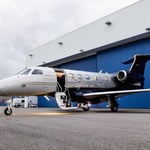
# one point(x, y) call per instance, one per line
point(53, 129)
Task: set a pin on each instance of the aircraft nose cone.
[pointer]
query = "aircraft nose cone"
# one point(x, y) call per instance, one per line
point(6, 86)
point(3, 89)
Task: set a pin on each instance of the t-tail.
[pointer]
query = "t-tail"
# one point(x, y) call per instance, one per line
point(135, 75)
point(138, 64)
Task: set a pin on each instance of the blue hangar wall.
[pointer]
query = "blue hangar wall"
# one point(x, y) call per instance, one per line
point(110, 61)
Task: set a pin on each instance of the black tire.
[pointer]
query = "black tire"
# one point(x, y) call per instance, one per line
point(7, 111)
point(114, 108)
point(86, 108)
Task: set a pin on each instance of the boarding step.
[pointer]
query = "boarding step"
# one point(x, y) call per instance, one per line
point(63, 101)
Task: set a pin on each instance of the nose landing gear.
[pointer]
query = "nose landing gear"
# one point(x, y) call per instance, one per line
point(8, 111)
point(113, 105)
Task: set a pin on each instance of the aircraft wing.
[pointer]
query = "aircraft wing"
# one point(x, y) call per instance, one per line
point(122, 92)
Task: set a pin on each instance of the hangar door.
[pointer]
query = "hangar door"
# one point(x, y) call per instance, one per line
point(86, 64)
point(111, 61)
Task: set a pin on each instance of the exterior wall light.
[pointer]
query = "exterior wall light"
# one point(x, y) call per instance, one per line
point(108, 23)
point(81, 50)
point(43, 62)
point(147, 29)
point(30, 55)
point(60, 43)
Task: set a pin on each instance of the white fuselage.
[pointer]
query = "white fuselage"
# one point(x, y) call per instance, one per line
point(44, 80)
point(29, 84)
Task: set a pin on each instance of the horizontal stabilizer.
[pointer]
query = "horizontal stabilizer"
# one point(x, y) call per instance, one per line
point(143, 57)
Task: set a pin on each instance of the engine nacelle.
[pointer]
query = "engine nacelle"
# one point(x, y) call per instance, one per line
point(122, 75)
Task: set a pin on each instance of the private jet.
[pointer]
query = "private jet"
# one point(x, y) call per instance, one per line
point(83, 87)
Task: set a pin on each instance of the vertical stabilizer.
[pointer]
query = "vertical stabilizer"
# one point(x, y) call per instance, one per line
point(138, 64)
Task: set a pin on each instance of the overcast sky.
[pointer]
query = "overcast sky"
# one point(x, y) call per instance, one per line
point(26, 24)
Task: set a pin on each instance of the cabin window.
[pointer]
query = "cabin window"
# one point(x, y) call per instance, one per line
point(71, 75)
point(87, 77)
point(94, 78)
point(37, 71)
point(79, 76)
point(105, 78)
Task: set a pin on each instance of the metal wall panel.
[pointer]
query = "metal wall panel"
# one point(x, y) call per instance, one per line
point(43, 102)
point(126, 23)
point(86, 64)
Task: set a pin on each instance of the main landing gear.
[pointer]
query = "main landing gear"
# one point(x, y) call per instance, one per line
point(112, 104)
point(84, 106)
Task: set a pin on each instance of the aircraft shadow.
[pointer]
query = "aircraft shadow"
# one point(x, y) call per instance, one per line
point(131, 111)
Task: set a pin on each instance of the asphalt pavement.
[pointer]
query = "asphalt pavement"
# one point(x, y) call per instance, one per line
point(54, 129)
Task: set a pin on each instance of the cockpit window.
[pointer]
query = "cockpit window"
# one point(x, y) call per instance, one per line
point(37, 71)
point(25, 72)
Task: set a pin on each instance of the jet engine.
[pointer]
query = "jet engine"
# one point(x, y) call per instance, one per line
point(122, 75)
point(129, 77)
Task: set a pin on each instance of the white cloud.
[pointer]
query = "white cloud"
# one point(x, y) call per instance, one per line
point(26, 24)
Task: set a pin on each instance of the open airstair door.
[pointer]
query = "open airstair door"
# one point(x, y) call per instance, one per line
point(63, 101)
point(62, 95)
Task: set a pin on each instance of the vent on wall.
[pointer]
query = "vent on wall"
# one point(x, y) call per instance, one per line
point(60, 43)
point(30, 55)
point(147, 29)
point(108, 23)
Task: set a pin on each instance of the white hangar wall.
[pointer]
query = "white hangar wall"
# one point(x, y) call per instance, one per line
point(126, 23)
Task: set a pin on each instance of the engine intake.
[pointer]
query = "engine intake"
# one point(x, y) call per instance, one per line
point(122, 75)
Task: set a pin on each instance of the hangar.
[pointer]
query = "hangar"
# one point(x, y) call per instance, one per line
point(101, 45)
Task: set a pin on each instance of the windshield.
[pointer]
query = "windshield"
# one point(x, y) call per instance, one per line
point(25, 72)
point(30, 71)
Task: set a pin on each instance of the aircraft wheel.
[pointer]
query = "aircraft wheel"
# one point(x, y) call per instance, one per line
point(114, 108)
point(7, 111)
point(86, 108)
